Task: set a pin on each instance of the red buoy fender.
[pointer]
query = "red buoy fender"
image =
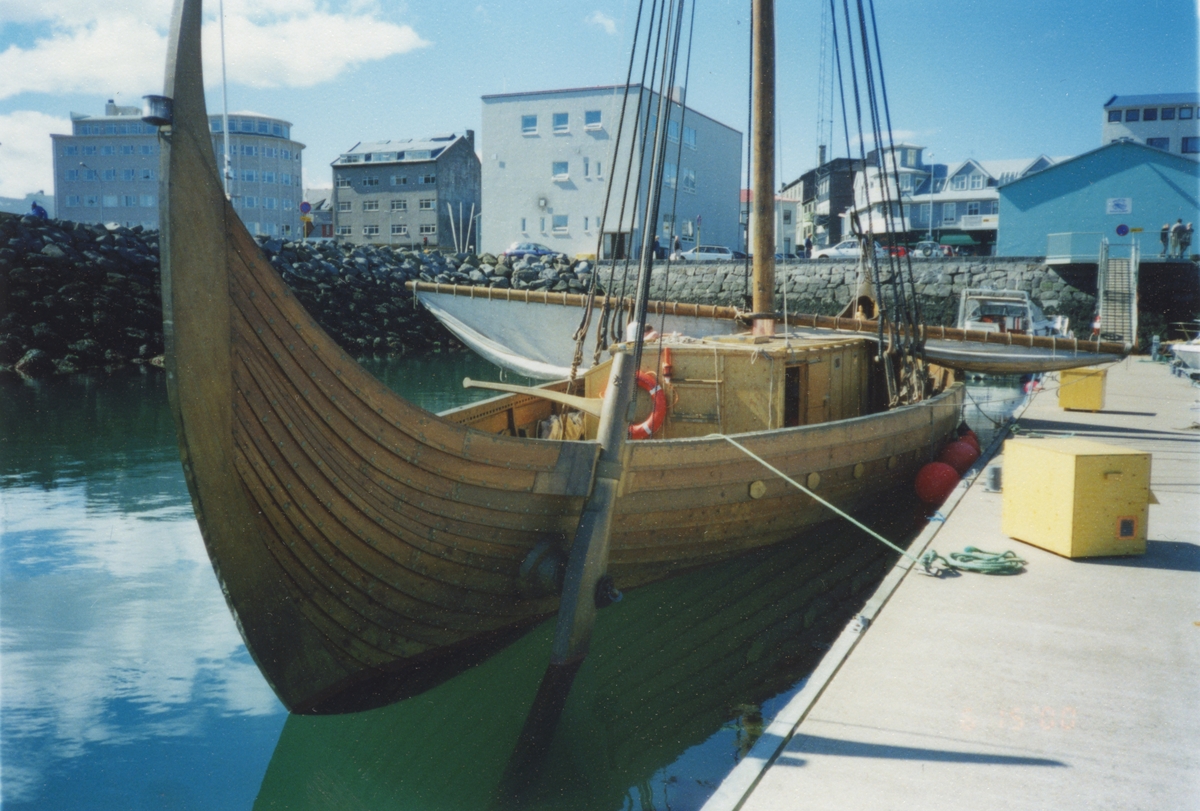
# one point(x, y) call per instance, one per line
point(935, 482)
point(959, 455)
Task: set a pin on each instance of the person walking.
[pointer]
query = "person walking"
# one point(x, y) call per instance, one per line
point(1165, 236)
point(808, 246)
point(1176, 237)
point(1185, 241)
point(38, 211)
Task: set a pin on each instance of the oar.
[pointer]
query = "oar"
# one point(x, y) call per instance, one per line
point(584, 588)
point(589, 405)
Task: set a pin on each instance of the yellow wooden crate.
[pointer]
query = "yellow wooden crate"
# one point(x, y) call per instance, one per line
point(1082, 389)
point(1076, 497)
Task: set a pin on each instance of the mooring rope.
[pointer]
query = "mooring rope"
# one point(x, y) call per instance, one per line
point(968, 560)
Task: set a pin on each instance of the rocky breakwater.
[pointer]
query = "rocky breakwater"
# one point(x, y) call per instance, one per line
point(75, 297)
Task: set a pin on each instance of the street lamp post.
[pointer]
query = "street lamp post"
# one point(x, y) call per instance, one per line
point(932, 189)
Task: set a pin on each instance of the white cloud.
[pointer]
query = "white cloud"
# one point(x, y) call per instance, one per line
point(603, 20)
point(273, 43)
point(25, 160)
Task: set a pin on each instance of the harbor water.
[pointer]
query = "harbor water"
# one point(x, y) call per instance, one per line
point(125, 683)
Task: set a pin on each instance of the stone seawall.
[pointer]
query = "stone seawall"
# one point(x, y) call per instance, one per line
point(76, 297)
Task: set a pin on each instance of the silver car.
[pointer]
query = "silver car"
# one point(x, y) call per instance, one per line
point(707, 253)
point(846, 249)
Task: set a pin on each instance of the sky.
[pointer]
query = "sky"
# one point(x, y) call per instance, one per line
point(966, 79)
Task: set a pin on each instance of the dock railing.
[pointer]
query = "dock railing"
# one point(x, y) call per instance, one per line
point(1073, 247)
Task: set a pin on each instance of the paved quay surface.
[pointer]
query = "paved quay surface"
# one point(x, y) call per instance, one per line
point(1073, 685)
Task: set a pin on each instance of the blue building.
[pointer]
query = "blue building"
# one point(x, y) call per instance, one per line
point(1124, 183)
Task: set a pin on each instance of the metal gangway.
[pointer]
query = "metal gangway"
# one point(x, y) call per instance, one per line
point(1116, 290)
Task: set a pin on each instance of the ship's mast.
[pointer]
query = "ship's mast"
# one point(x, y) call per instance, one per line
point(762, 172)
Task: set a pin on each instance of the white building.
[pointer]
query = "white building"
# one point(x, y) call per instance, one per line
point(956, 204)
point(787, 208)
point(549, 157)
point(1166, 121)
point(106, 170)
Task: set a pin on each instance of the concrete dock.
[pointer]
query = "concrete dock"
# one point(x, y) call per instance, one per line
point(1072, 685)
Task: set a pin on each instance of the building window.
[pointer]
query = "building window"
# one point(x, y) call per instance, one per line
point(585, 167)
point(670, 175)
point(426, 204)
point(91, 150)
point(399, 229)
point(1185, 113)
point(976, 181)
point(287, 204)
point(344, 205)
point(1168, 114)
point(91, 200)
point(91, 174)
point(949, 214)
point(787, 216)
point(249, 176)
point(343, 230)
point(924, 215)
point(673, 131)
point(71, 150)
point(268, 177)
point(343, 183)
point(559, 222)
point(269, 202)
point(910, 157)
point(286, 154)
point(428, 230)
point(906, 182)
point(1191, 145)
point(523, 225)
point(128, 174)
point(560, 122)
point(249, 151)
point(428, 180)
point(1131, 115)
point(1150, 114)
point(689, 137)
point(72, 200)
point(370, 181)
point(147, 174)
point(250, 201)
point(285, 178)
point(592, 120)
point(959, 183)
point(972, 209)
point(287, 229)
point(399, 205)
point(599, 171)
point(689, 180)
point(109, 174)
point(397, 180)
point(108, 151)
point(688, 229)
point(129, 200)
point(370, 205)
point(370, 230)
point(72, 174)
point(529, 125)
point(1159, 143)
point(270, 152)
point(127, 149)
point(146, 149)
point(542, 224)
point(559, 170)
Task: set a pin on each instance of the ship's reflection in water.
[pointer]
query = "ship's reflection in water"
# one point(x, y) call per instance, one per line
point(126, 683)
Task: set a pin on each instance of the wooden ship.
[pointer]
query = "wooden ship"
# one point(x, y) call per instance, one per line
point(368, 548)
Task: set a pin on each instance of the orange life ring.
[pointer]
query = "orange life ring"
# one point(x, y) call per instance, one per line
point(645, 429)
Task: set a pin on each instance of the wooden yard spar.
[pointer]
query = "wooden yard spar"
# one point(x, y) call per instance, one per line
point(368, 549)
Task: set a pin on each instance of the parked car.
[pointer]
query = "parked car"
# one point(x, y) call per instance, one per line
point(710, 253)
point(898, 250)
point(929, 248)
point(786, 257)
point(846, 249)
point(519, 249)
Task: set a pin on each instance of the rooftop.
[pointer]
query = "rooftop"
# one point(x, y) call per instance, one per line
point(407, 150)
point(1153, 99)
